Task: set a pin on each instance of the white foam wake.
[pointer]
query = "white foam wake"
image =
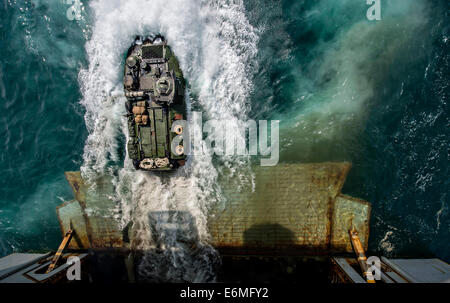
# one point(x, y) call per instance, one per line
point(215, 45)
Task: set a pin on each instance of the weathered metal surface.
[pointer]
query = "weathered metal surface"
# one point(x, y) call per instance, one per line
point(14, 262)
point(393, 271)
point(91, 214)
point(343, 272)
point(294, 209)
point(349, 213)
point(291, 211)
point(35, 271)
point(77, 185)
point(72, 213)
point(420, 270)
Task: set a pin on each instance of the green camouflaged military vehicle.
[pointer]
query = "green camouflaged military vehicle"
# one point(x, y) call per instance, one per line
point(154, 87)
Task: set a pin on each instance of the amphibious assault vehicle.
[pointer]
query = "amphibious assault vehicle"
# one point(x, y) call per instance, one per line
point(154, 87)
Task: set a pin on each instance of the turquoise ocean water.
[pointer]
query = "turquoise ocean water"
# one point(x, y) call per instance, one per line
point(344, 88)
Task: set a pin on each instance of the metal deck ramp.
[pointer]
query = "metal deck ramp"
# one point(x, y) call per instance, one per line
point(295, 209)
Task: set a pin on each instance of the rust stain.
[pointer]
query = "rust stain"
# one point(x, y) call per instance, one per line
point(299, 200)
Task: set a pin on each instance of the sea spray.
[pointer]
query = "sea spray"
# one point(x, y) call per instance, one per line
point(215, 45)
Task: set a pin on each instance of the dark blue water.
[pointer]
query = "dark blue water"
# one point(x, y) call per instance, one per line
point(42, 130)
point(373, 93)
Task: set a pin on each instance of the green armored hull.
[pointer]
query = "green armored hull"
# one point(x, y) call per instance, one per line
point(154, 87)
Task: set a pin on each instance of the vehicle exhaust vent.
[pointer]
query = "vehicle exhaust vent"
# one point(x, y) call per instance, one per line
point(151, 52)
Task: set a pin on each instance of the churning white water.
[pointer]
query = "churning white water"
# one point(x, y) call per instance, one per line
point(215, 45)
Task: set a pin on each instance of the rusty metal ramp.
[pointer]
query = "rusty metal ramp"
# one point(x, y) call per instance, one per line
point(294, 209)
point(91, 215)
